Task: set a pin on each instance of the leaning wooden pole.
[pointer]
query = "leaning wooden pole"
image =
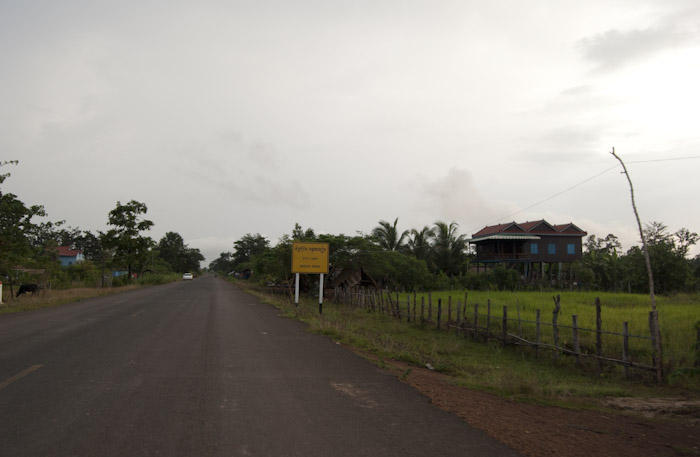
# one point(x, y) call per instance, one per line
point(641, 233)
point(655, 314)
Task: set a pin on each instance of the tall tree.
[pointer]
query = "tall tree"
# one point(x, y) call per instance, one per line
point(125, 238)
point(419, 242)
point(16, 228)
point(388, 237)
point(172, 250)
point(602, 259)
point(684, 240)
point(224, 263)
point(247, 247)
point(90, 244)
point(671, 270)
point(4, 176)
point(449, 248)
point(299, 234)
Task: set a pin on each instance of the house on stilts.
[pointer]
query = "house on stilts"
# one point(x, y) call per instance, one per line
point(538, 250)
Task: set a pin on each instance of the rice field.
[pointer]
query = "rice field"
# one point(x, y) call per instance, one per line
point(678, 316)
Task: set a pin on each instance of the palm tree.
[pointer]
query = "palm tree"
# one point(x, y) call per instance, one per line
point(448, 248)
point(419, 242)
point(387, 236)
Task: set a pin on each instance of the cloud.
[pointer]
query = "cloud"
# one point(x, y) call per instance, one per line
point(456, 197)
point(614, 49)
point(577, 91)
point(242, 170)
point(566, 144)
point(211, 246)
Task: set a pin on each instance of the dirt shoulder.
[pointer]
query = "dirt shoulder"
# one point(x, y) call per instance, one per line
point(633, 428)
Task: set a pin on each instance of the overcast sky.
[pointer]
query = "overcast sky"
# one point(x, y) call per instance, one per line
point(231, 117)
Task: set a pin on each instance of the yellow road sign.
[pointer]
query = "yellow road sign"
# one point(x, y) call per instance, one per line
point(310, 257)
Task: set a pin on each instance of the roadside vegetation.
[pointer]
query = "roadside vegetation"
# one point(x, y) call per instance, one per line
point(506, 371)
point(51, 256)
point(60, 296)
point(434, 263)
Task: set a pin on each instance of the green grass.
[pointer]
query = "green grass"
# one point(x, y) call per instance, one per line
point(508, 371)
point(55, 297)
point(677, 315)
point(49, 298)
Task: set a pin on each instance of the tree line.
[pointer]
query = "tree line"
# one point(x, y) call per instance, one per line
point(29, 249)
point(438, 257)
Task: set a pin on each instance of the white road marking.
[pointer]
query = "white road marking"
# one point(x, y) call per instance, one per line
point(19, 376)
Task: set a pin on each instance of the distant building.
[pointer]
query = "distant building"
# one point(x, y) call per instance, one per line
point(68, 256)
point(531, 247)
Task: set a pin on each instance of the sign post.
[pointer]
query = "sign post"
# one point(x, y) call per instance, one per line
point(310, 258)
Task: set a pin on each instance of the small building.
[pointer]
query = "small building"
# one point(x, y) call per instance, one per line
point(349, 278)
point(532, 247)
point(68, 256)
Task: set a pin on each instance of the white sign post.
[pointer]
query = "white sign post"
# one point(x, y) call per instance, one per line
point(1, 293)
point(310, 258)
point(296, 290)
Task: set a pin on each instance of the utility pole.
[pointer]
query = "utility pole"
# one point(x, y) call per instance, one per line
point(641, 234)
point(654, 315)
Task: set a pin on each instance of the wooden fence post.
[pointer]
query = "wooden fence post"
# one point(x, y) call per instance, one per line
point(505, 325)
point(520, 324)
point(459, 308)
point(449, 309)
point(430, 307)
point(488, 317)
point(659, 351)
point(537, 335)
point(408, 307)
point(599, 334)
point(464, 310)
point(439, 312)
point(555, 327)
point(625, 348)
point(422, 309)
point(476, 320)
point(415, 302)
point(652, 333)
point(574, 325)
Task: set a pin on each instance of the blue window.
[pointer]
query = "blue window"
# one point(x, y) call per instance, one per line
point(534, 248)
point(570, 248)
point(551, 248)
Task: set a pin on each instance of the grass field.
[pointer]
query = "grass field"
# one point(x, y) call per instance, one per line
point(678, 315)
point(54, 297)
point(48, 298)
point(512, 371)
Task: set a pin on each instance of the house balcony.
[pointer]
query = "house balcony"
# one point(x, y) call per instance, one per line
point(505, 257)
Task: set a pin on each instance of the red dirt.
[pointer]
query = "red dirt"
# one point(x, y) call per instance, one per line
point(534, 430)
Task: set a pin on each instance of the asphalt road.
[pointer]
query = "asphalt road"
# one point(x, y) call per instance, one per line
point(199, 368)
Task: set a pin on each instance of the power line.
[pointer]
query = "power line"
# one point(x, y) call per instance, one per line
point(667, 160)
point(584, 182)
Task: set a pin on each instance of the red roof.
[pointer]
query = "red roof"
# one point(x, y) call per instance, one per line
point(66, 251)
point(534, 227)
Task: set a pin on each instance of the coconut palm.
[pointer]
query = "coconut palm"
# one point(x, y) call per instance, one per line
point(419, 242)
point(387, 236)
point(449, 248)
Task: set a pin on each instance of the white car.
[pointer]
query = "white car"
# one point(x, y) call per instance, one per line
point(187, 277)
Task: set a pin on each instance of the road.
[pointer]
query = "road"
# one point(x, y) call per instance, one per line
point(199, 368)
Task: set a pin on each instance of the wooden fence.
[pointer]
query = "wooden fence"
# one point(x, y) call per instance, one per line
point(481, 322)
